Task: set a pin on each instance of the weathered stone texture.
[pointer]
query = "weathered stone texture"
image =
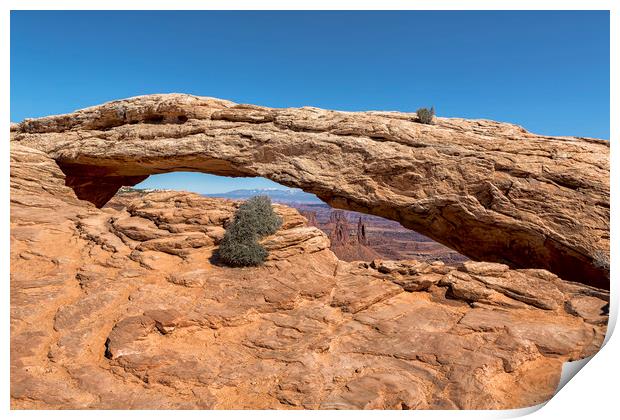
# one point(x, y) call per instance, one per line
point(123, 306)
point(492, 191)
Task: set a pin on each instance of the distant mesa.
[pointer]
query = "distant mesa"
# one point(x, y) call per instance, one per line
point(349, 232)
point(350, 244)
point(277, 195)
point(357, 237)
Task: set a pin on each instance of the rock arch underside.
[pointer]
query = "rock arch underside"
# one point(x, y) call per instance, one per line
point(114, 303)
point(491, 191)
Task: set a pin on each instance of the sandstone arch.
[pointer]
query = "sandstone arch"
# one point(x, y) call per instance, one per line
point(490, 190)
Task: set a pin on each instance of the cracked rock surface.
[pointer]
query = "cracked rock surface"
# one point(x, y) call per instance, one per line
point(122, 307)
point(492, 191)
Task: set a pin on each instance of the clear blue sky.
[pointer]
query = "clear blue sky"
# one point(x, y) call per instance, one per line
point(545, 70)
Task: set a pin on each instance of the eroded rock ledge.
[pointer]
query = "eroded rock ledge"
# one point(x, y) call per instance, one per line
point(491, 191)
point(121, 308)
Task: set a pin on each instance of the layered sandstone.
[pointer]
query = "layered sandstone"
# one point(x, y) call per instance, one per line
point(346, 246)
point(122, 307)
point(492, 191)
point(373, 237)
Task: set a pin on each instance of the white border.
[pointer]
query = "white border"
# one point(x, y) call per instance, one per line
point(593, 394)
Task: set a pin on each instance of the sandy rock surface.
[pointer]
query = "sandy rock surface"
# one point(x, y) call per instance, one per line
point(124, 306)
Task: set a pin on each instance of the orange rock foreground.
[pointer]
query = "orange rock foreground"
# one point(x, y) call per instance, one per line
point(120, 307)
point(123, 306)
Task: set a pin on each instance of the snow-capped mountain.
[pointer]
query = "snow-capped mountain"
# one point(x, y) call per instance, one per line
point(277, 195)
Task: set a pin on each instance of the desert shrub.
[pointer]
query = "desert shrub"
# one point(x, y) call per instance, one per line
point(425, 115)
point(257, 215)
point(254, 219)
point(241, 252)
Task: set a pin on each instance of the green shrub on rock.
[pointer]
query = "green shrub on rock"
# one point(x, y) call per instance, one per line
point(425, 115)
point(254, 219)
point(241, 253)
point(257, 215)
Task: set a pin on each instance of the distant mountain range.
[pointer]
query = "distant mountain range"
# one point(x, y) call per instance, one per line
point(277, 195)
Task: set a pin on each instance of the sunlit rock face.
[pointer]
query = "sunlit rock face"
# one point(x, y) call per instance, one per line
point(117, 300)
point(492, 191)
point(124, 307)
